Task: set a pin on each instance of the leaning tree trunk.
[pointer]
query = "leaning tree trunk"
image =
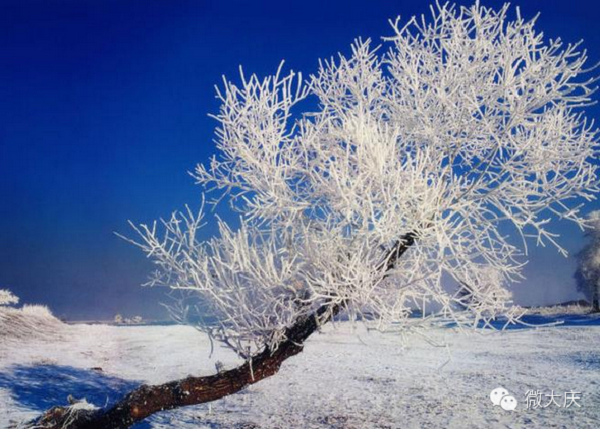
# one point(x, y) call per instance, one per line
point(148, 400)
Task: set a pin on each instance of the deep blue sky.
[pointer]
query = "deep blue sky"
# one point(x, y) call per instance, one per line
point(103, 110)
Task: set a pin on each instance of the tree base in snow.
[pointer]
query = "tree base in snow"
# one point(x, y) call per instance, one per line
point(147, 400)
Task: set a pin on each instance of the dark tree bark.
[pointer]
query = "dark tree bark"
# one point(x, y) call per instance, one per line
point(148, 400)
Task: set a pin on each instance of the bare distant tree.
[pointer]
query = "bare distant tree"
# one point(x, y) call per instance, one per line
point(410, 170)
point(588, 270)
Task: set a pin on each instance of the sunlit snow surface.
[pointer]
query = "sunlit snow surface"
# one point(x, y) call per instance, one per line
point(345, 378)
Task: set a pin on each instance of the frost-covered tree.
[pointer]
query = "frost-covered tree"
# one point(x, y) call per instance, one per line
point(7, 297)
point(419, 157)
point(588, 270)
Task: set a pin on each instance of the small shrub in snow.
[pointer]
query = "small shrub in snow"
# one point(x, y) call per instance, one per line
point(37, 310)
point(8, 298)
point(29, 322)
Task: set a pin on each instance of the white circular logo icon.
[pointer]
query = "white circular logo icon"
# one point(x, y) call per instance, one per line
point(508, 403)
point(500, 396)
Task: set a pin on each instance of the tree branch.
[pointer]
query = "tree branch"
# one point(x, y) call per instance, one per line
point(147, 400)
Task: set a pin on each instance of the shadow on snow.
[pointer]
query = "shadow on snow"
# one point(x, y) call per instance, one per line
point(40, 387)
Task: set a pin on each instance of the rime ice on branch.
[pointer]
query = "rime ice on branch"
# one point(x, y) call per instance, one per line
point(464, 126)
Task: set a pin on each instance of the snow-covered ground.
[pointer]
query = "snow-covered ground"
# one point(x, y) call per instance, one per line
point(560, 310)
point(345, 378)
